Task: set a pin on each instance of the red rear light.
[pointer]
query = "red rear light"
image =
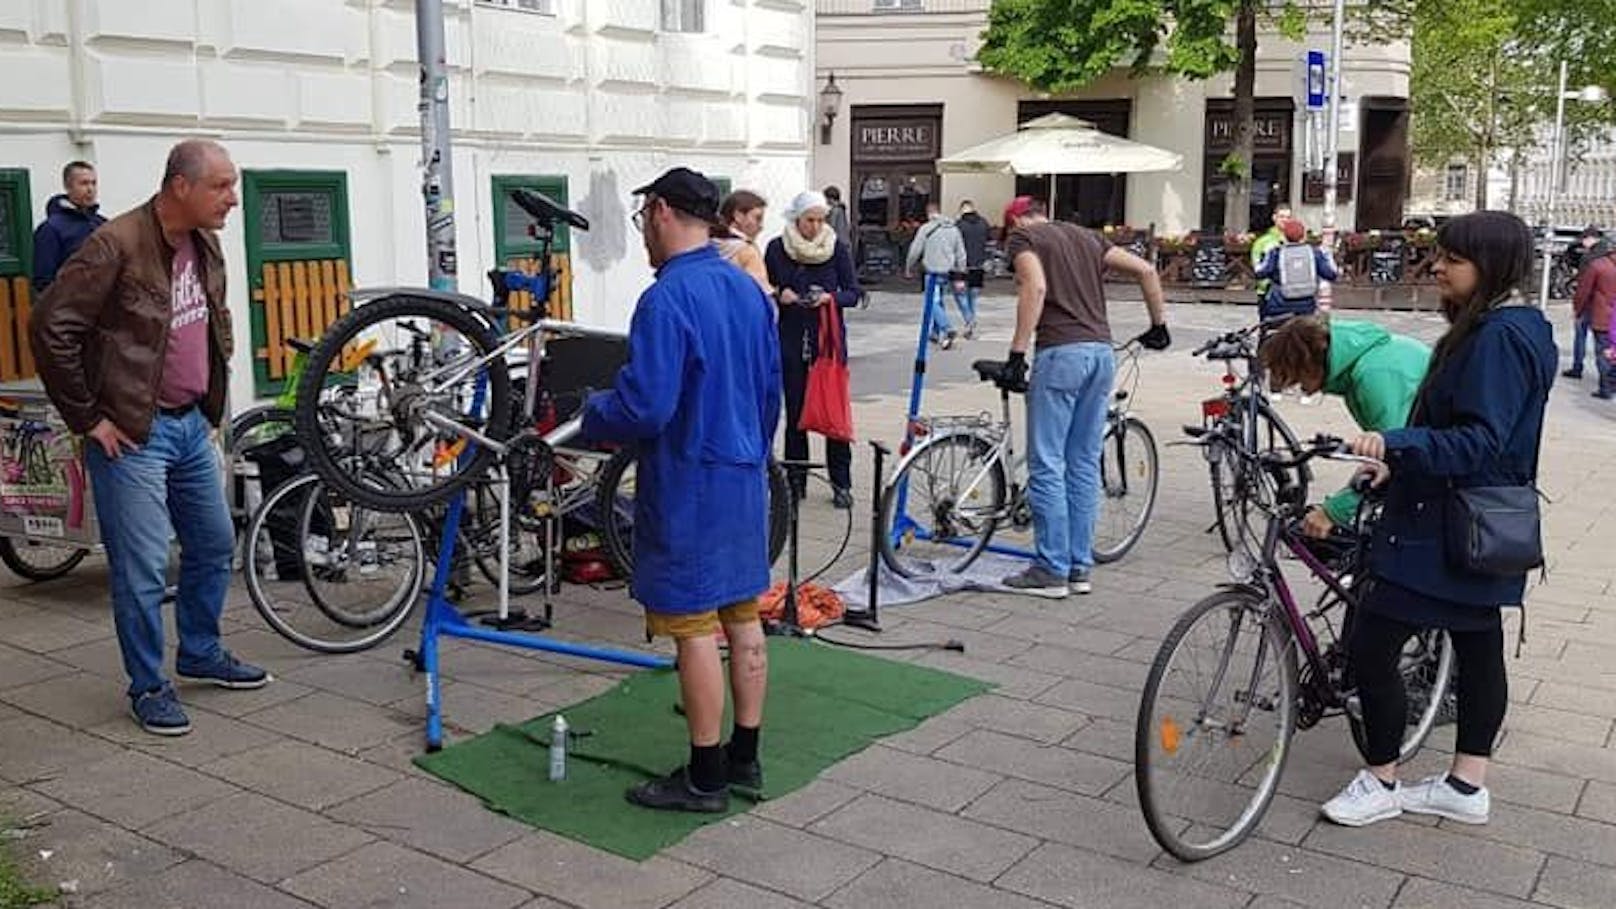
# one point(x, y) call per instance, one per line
point(1229, 380)
point(918, 428)
point(1213, 408)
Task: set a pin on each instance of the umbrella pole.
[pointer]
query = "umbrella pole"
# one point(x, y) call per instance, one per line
point(1053, 179)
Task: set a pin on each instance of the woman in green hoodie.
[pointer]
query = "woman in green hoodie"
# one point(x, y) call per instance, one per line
point(1377, 373)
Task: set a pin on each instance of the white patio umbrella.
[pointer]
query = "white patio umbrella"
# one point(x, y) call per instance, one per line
point(1059, 144)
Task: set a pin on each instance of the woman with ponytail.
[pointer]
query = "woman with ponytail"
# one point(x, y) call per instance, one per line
point(1477, 422)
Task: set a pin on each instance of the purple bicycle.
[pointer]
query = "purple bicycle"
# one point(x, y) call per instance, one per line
point(1246, 667)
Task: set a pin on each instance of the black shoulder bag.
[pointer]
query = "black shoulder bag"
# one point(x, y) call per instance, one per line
point(1496, 530)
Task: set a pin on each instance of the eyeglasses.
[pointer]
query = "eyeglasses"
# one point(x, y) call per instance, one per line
point(639, 216)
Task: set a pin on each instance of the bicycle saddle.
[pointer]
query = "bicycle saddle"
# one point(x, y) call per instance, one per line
point(546, 210)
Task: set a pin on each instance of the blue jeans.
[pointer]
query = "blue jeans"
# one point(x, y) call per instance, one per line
point(1605, 368)
point(169, 486)
point(1579, 344)
point(936, 286)
point(1067, 399)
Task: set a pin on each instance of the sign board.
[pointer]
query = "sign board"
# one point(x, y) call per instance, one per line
point(1345, 176)
point(1316, 80)
point(896, 140)
point(1272, 128)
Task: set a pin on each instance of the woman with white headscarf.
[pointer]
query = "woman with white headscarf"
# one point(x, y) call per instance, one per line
point(810, 267)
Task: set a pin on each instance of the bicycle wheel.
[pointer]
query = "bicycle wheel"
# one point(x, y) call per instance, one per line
point(479, 531)
point(1427, 670)
point(1215, 725)
point(36, 561)
point(397, 380)
point(1240, 494)
point(1129, 472)
point(614, 510)
point(942, 506)
point(329, 575)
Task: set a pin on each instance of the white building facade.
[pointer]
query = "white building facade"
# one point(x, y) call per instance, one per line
point(317, 102)
point(912, 92)
point(1587, 191)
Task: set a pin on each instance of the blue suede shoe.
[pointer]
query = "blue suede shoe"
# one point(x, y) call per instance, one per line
point(226, 672)
point(159, 712)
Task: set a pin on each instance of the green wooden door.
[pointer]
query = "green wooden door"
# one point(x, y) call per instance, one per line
point(513, 248)
point(16, 275)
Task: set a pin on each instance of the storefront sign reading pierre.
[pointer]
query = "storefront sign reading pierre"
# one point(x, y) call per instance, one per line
point(895, 140)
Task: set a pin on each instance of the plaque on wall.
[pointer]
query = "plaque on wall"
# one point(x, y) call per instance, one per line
point(1345, 176)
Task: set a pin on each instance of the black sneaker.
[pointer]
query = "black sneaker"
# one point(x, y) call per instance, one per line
point(746, 776)
point(1571, 374)
point(1080, 581)
point(1038, 582)
point(674, 793)
point(159, 712)
point(842, 498)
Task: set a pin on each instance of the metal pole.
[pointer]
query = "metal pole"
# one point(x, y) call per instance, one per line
point(1332, 135)
point(437, 172)
point(1554, 187)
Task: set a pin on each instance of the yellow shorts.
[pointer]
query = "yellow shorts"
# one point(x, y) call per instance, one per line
point(683, 626)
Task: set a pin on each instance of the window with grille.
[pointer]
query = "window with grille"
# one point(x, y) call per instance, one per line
point(545, 7)
point(1454, 182)
point(684, 15)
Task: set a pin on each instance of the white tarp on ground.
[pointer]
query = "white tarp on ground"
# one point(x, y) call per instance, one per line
point(985, 574)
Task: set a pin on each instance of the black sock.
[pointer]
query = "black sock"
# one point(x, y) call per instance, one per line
point(1462, 787)
point(707, 767)
point(1388, 785)
point(743, 744)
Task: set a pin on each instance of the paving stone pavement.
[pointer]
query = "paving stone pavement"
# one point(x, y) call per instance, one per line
point(303, 794)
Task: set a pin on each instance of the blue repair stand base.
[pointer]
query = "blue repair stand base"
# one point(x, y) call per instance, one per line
point(902, 524)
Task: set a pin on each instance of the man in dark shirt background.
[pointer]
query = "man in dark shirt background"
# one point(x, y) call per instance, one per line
point(1060, 288)
point(70, 217)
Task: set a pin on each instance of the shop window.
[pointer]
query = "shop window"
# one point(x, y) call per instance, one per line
point(1455, 181)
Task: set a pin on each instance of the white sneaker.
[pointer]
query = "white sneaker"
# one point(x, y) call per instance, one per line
point(1363, 802)
point(1433, 795)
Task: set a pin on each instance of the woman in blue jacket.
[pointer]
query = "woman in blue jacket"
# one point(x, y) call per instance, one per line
point(1477, 421)
point(810, 267)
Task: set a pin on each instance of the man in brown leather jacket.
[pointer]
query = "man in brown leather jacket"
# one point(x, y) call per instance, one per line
point(133, 343)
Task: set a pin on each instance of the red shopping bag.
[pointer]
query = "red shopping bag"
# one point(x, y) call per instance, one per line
point(827, 407)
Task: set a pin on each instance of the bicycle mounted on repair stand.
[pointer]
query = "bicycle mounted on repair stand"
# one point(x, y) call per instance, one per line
point(962, 480)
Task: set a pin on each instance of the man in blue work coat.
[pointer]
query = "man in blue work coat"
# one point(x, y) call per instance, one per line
point(700, 398)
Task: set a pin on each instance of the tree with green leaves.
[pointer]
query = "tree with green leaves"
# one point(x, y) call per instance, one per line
point(1484, 74)
point(1062, 45)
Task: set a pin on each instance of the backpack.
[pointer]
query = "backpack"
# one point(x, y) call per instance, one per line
point(1298, 273)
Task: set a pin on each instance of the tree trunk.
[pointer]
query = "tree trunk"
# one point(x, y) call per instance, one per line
point(1515, 162)
point(1237, 204)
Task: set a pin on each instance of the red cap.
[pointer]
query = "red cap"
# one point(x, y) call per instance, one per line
point(1018, 208)
point(1293, 230)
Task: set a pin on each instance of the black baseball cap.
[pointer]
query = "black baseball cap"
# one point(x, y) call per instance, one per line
point(687, 191)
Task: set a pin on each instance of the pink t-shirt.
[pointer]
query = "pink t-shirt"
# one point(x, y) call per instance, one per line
point(185, 369)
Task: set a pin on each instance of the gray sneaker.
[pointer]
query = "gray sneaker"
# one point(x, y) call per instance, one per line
point(1080, 581)
point(1039, 582)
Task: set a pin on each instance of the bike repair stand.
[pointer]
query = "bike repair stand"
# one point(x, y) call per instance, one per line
point(444, 619)
point(869, 618)
point(788, 625)
point(903, 524)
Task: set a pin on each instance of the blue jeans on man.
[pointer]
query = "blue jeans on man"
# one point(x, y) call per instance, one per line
point(937, 285)
point(1067, 398)
point(1605, 369)
point(169, 487)
point(1580, 332)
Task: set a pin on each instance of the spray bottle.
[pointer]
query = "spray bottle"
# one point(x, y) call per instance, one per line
point(558, 749)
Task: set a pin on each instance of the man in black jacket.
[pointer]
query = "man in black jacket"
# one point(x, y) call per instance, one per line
point(974, 229)
point(70, 218)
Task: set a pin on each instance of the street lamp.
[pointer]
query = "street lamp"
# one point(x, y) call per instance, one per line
point(830, 104)
point(1590, 94)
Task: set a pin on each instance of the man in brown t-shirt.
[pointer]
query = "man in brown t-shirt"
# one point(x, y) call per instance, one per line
point(1060, 288)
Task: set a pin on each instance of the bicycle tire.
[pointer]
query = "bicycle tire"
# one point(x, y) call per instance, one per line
point(614, 511)
point(390, 615)
point(1435, 663)
point(479, 533)
point(900, 532)
point(322, 365)
point(1117, 434)
point(18, 556)
point(1230, 463)
point(1164, 815)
